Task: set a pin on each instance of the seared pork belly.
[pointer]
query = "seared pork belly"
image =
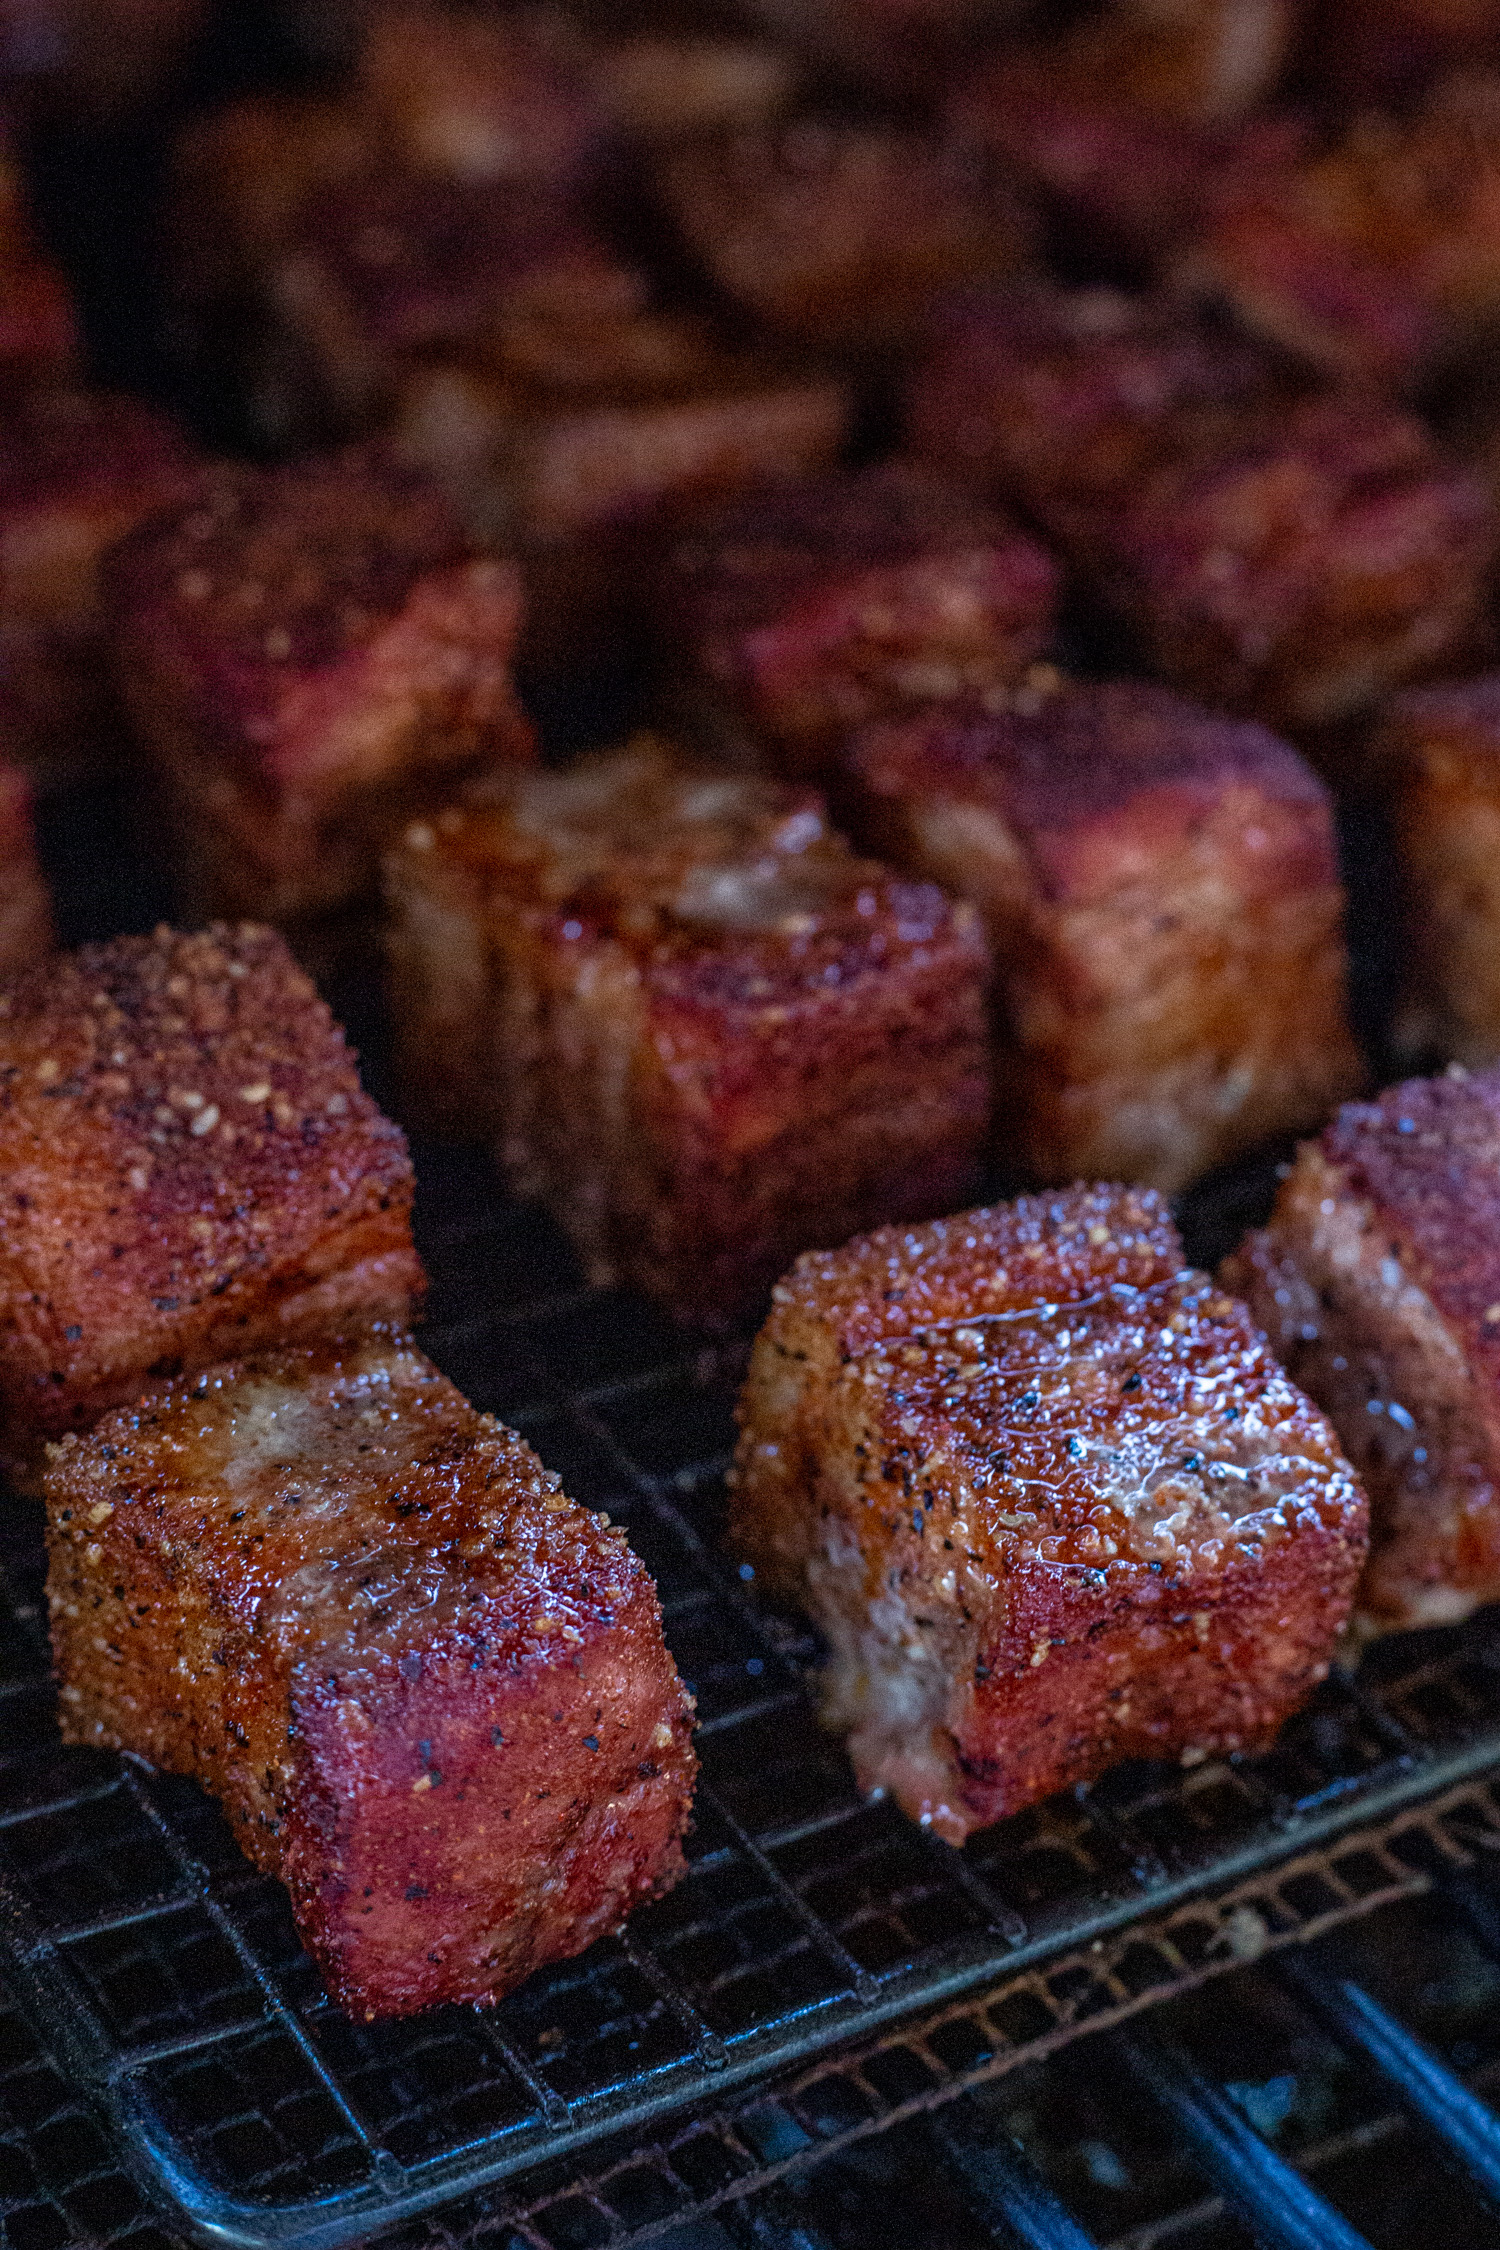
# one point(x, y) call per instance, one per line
point(1377, 260)
point(1064, 400)
point(1048, 1496)
point(1378, 1283)
point(804, 607)
point(307, 654)
point(1161, 889)
point(573, 436)
point(430, 1692)
point(25, 906)
point(693, 1022)
point(842, 234)
point(1326, 557)
point(1439, 754)
point(191, 1169)
point(77, 471)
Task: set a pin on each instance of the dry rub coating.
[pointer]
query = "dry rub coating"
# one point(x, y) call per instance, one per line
point(1378, 1283)
point(693, 1021)
point(430, 1692)
point(1161, 889)
point(190, 1168)
point(1048, 1496)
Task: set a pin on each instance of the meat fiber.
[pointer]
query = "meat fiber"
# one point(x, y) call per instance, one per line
point(691, 1020)
point(429, 1691)
point(1161, 890)
point(307, 655)
point(191, 1168)
point(1048, 1496)
point(77, 471)
point(805, 607)
point(1378, 1283)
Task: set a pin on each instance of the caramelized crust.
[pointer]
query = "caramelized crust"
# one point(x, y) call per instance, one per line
point(1329, 556)
point(1378, 1283)
point(1161, 890)
point(806, 607)
point(77, 471)
point(190, 1168)
point(1439, 751)
point(307, 654)
point(430, 1692)
point(842, 234)
point(1048, 1496)
point(1065, 400)
point(695, 1024)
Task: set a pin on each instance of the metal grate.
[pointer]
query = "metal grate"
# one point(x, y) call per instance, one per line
point(175, 1996)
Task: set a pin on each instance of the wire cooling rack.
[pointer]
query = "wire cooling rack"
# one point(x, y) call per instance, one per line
point(165, 1977)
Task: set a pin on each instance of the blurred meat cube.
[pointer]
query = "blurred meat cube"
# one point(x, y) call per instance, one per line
point(1378, 260)
point(584, 421)
point(77, 471)
point(1309, 568)
point(695, 1024)
point(896, 50)
point(95, 60)
point(25, 907)
point(1065, 400)
point(193, 1169)
point(842, 234)
point(38, 333)
point(307, 654)
point(668, 85)
point(1049, 1498)
point(791, 615)
point(1439, 754)
point(1377, 1282)
point(1161, 890)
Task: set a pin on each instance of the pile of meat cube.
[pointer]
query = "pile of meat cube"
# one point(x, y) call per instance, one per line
point(1021, 474)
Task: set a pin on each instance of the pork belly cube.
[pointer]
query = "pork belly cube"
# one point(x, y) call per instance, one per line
point(308, 654)
point(694, 1023)
point(430, 1692)
point(1309, 569)
point(1438, 752)
point(38, 331)
point(468, 94)
point(1161, 890)
point(1378, 1284)
point(1065, 400)
point(25, 904)
point(1376, 260)
point(1048, 1496)
point(802, 608)
point(573, 438)
point(1120, 183)
point(77, 471)
point(191, 1168)
point(838, 234)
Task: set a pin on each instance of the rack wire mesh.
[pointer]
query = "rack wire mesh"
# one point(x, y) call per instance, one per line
point(167, 1978)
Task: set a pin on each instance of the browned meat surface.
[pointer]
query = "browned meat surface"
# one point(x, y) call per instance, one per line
point(77, 471)
point(190, 1167)
point(25, 907)
point(307, 655)
point(692, 1020)
point(1065, 400)
point(1378, 1283)
point(805, 607)
point(430, 1692)
point(1438, 751)
point(1048, 1496)
point(842, 234)
point(1161, 890)
point(1323, 559)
